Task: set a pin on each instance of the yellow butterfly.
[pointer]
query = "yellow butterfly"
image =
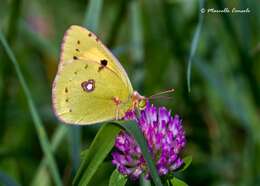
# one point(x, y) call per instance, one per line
point(91, 86)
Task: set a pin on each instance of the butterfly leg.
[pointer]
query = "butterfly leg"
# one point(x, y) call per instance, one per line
point(117, 112)
point(117, 102)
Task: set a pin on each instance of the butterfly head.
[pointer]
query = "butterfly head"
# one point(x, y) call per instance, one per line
point(138, 101)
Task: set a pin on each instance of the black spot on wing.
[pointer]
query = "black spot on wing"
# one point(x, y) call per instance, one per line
point(103, 62)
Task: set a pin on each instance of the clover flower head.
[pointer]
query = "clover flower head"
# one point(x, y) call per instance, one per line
point(165, 137)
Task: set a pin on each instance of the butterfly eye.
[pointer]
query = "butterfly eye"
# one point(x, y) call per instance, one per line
point(142, 104)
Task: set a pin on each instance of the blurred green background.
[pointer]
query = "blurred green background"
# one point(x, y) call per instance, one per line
point(153, 40)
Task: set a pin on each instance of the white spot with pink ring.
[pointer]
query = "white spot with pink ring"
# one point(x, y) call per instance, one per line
point(88, 86)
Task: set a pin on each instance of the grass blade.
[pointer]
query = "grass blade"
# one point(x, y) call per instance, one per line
point(195, 42)
point(75, 144)
point(58, 137)
point(45, 145)
point(92, 15)
point(137, 48)
point(137, 33)
point(6, 72)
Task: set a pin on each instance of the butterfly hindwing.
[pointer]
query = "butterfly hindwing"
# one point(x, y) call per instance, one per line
point(75, 102)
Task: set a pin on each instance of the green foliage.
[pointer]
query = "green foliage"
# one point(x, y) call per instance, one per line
point(187, 161)
point(7, 180)
point(117, 179)
point(177, 182)
point(42, 171)
point(35, 116)
point(97, 152)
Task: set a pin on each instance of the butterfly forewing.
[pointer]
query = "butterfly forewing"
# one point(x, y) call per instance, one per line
point(79, 42)
point(89, 78)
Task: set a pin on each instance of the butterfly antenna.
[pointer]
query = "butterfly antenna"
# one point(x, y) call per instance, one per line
point(158, 95)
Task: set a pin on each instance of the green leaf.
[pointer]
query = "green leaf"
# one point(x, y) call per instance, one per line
point(187, 161)
point(117, 179)
point(177, 182)
point(97, 152)
point(83, 154)
point(133, 129)
point(102, 175)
